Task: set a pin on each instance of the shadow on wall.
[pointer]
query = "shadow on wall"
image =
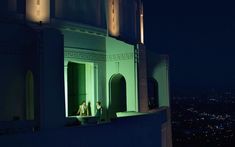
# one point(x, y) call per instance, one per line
point(17, 57)
point(153, 94)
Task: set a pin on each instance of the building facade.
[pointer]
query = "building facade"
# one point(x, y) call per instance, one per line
point(55, 54)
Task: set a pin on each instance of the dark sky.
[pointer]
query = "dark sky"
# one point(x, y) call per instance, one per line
point(199, 37)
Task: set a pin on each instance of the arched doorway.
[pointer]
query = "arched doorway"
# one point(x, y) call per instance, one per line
point(152, 93)
point(117, 89)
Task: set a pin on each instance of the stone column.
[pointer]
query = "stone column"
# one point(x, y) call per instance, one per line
point(52, 104)
point(66, 87)
point(142, 80)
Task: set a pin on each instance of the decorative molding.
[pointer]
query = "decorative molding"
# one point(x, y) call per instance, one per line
point(84, 55)
point(90, 55)
point(78, 27)
point(119, 57)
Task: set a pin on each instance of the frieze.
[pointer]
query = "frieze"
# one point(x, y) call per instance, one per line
point(85, 55)
point(97, 56)
point(118, 57)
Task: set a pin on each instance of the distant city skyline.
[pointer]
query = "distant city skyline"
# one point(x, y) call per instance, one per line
point(199, 39)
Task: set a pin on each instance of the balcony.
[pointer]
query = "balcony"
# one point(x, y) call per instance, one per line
point(136, 130)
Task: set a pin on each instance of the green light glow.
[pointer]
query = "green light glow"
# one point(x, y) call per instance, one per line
point(96, 75)
point(79, 79)
point(120, 60)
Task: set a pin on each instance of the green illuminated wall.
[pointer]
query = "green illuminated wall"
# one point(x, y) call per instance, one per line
point(83, 40)
point(86, 49)
point(103, 58)
point(120, 60)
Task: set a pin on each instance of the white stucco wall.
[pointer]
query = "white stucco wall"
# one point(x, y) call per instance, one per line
point(120, 60)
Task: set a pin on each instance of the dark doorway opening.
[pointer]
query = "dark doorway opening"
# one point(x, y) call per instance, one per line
point(153, 93)
point(117, 102)
point(76, 86)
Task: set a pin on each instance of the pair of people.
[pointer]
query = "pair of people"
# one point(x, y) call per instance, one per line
point(84, 111)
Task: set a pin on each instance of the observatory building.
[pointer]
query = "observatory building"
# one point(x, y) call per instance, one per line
point(57, 54)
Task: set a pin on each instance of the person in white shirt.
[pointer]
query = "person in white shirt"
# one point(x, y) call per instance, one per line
point(83, 109)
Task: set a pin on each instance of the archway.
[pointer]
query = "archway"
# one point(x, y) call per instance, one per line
point(153, 94)
point(117, 89)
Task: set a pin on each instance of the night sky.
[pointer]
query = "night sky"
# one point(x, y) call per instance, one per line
point(198, 36)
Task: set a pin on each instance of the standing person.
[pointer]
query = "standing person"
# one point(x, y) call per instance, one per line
point(83, 110)
point(98, 110)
